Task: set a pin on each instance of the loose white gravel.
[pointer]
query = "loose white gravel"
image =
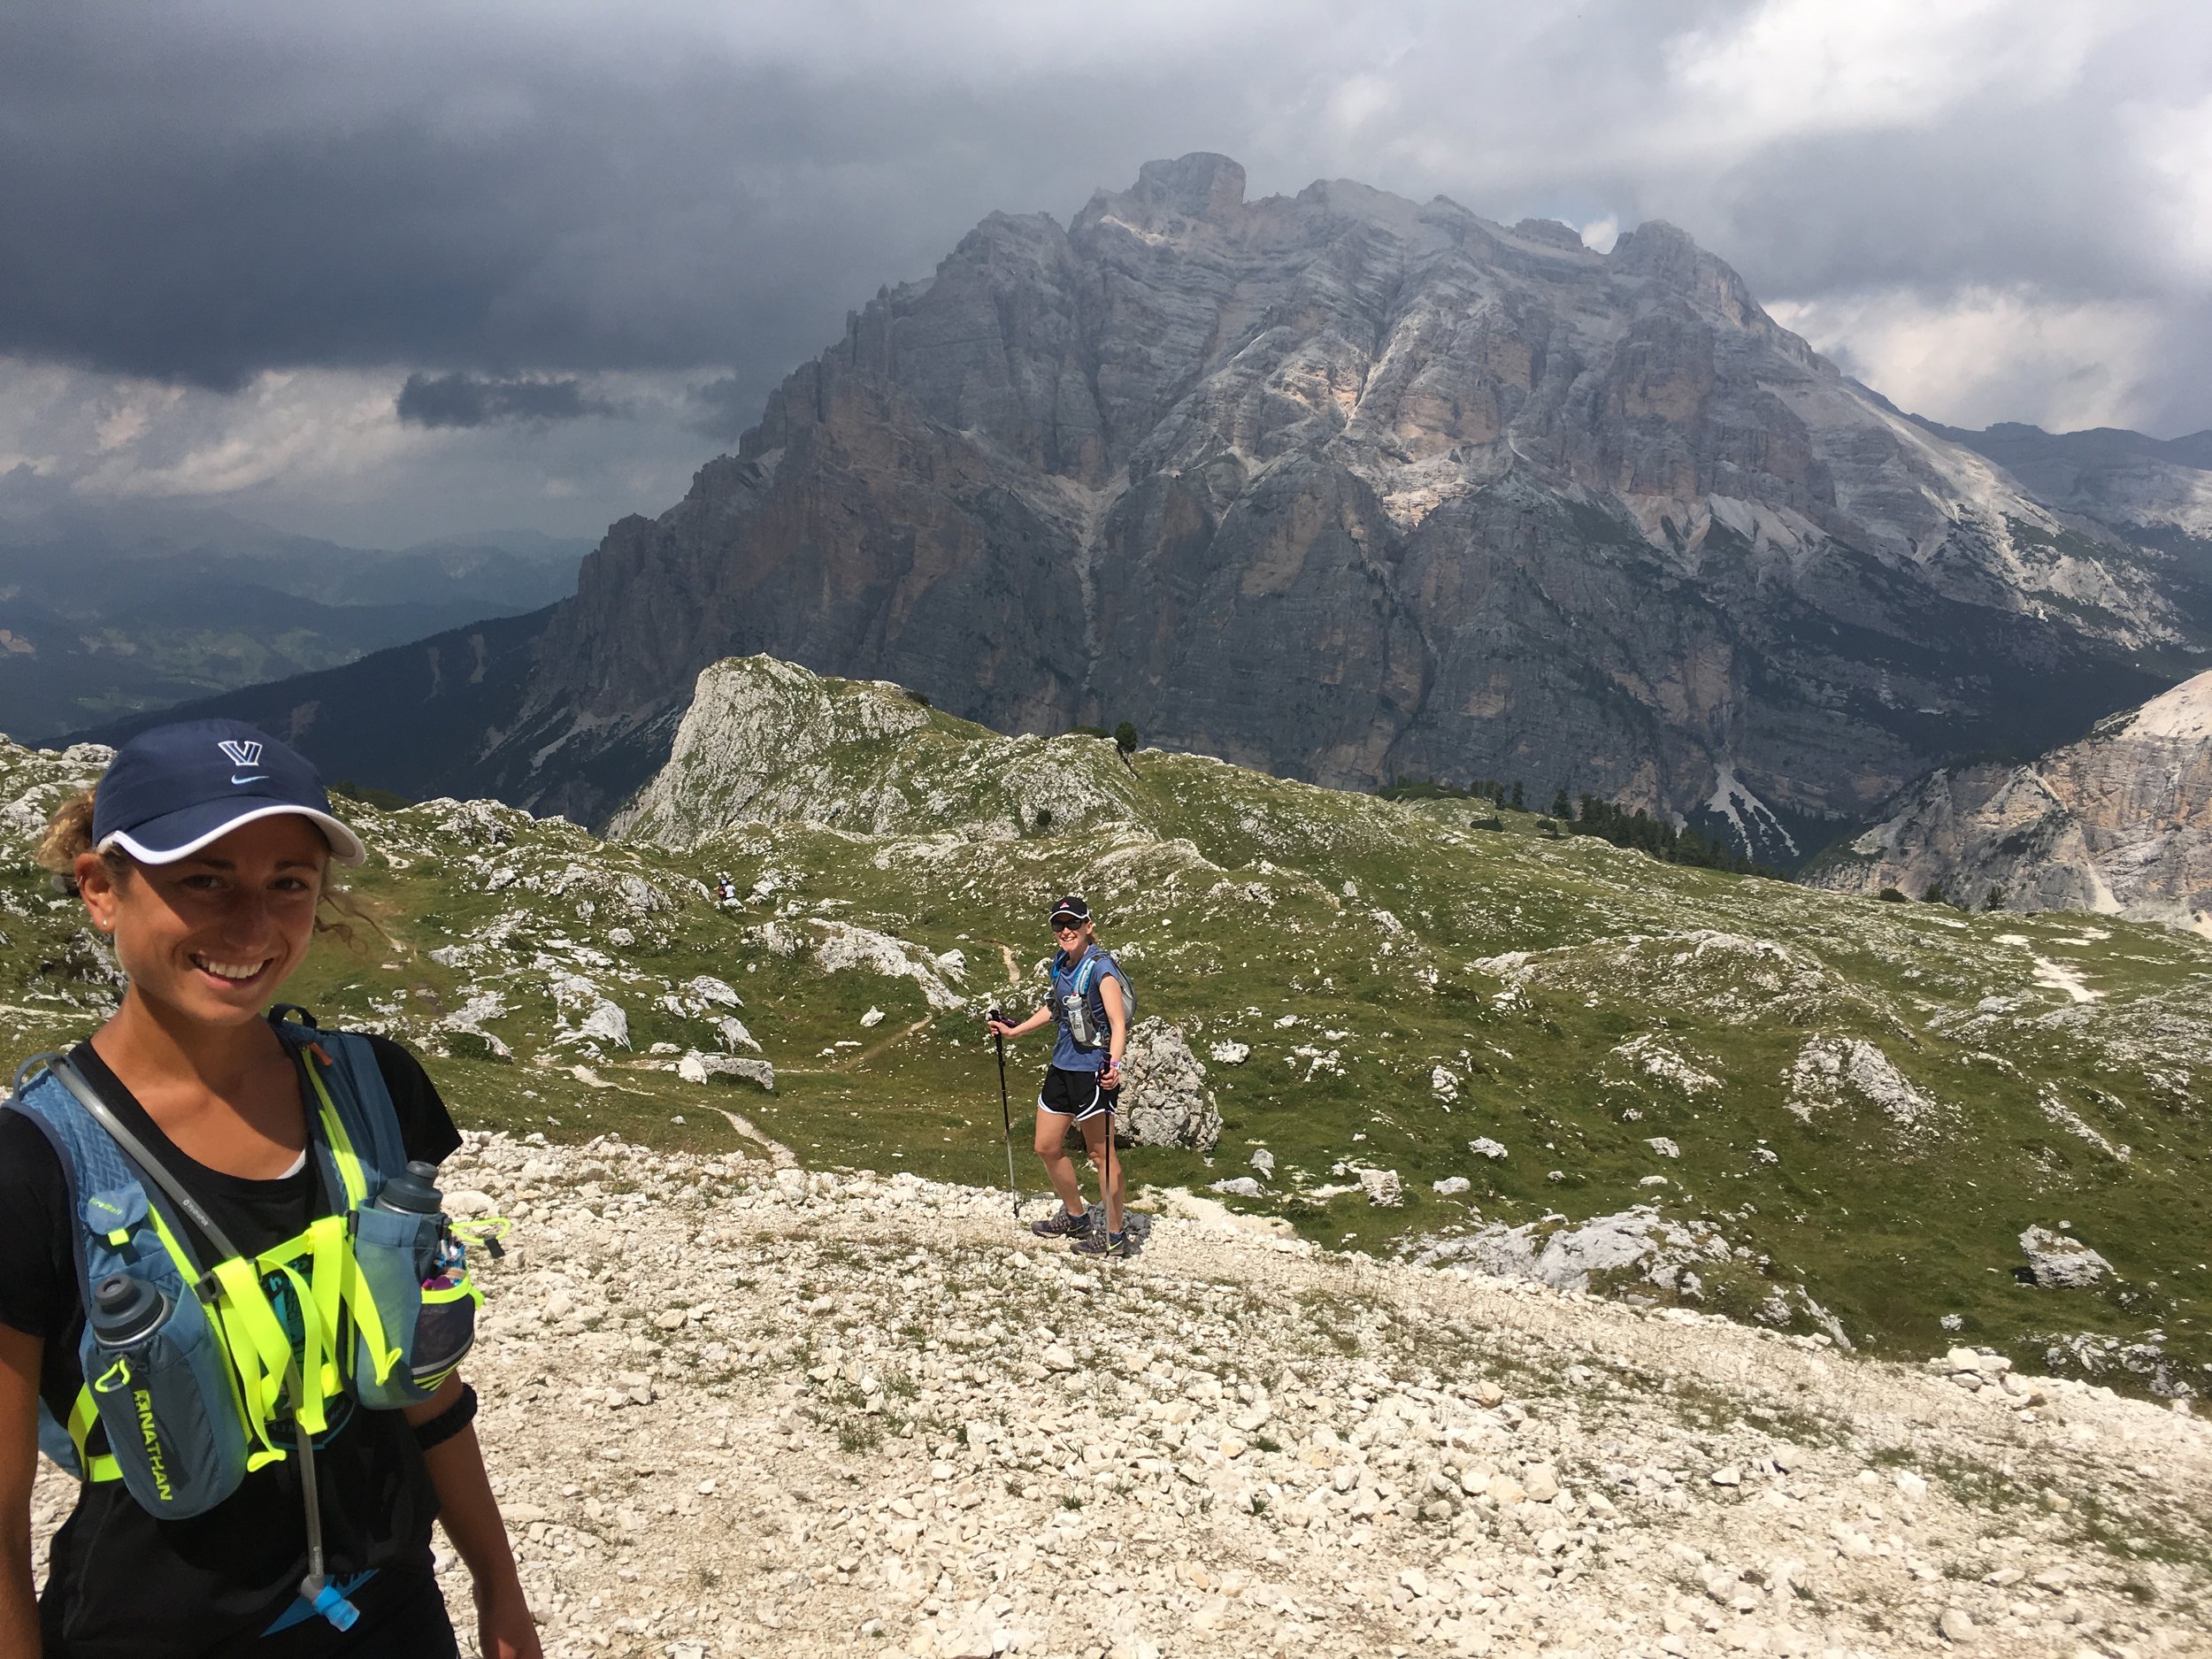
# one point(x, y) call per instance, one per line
point(740, 1409)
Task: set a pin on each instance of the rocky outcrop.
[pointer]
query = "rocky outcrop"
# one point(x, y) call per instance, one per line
point(1338, 484)
point(2058, 1261)
point(765, 742)
point(2120, 823)
point(1165, 1101)
point(1639, 1241)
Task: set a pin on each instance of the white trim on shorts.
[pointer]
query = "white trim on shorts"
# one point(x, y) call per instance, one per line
point(1091, 1110)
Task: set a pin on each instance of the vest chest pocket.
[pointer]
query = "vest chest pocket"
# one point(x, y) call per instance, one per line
point(169, 1410)
point(415, 1317)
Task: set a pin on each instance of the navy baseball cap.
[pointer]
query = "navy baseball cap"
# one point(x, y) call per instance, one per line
point(172, 789)
point(1071, 905)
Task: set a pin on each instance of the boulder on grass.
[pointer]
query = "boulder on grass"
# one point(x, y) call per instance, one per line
point(1165, 1100)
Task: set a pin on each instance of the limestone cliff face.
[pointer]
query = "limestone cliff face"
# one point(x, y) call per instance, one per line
point(2120, 823)
point(1347, 485)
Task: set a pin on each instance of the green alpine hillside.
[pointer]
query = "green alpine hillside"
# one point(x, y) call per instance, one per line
point(1430, 1027)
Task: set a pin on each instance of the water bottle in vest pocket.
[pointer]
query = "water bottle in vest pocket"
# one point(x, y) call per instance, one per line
point(160, 1384)
point(414, 1274)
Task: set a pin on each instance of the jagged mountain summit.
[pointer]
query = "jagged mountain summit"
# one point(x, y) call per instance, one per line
point(1338, 484)
point(2119, 823)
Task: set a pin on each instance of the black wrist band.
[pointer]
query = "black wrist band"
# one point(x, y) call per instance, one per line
point(448, 1422)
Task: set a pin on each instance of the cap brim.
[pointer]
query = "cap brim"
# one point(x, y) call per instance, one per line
point(163, 840)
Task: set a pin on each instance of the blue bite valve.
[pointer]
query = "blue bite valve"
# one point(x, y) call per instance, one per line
point(341, 1613)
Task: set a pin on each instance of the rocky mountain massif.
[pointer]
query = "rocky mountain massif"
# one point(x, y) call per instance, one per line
point(2118, 824)
point(1424, 1029)
point(1341, 487)
point(736, 1407)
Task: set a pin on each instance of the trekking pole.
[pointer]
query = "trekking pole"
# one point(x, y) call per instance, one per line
point(1106, 1184)
point(1006, 1113)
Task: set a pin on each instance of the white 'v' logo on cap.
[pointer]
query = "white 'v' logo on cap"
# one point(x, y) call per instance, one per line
point(241, 754)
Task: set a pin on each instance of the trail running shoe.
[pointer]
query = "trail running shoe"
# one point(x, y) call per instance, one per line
point(1062, 1225)
point(1099, 1242)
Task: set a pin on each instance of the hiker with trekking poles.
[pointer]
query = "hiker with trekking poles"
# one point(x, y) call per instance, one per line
point(1090, 1001)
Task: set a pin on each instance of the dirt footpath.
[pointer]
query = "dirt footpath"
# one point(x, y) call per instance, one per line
point(739, 1410)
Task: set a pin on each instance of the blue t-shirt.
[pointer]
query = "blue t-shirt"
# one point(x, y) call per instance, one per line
point(1067, 979)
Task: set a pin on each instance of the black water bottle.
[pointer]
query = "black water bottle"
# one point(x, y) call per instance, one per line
point(414, 1192)
point(125, 1310)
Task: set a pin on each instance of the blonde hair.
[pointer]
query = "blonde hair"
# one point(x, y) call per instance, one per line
point(68, 838)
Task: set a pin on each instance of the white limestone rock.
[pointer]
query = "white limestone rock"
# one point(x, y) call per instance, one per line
point(1164, 1099)
point(2058, 1261)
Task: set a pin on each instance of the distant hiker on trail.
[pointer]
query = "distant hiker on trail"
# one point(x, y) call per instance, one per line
point(232, 1307)
point(725, 891)
point(1089, 1000)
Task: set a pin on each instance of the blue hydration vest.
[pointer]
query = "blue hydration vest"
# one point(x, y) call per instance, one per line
point(213, 1386)
point(1078, 985)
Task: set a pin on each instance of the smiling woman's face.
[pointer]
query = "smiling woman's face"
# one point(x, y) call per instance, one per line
point(213, 937)
point(1073, 936)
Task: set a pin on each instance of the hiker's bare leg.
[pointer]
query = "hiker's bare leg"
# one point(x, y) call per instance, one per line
point(1052, 1152)
point(1095, 1128)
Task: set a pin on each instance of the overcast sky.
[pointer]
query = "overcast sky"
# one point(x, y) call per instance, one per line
point(383, 272)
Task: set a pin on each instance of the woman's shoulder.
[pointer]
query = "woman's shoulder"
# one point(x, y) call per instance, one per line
point(26, 1158)
point(35, 1295)
point(394, 1059)
point(33, 1186)
point(425, 1123)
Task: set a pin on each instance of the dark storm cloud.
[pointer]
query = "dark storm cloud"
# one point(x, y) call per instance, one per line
point(517, 212)
point(476, 400)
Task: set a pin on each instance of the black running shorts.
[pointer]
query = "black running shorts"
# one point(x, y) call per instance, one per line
point(1075, 1094)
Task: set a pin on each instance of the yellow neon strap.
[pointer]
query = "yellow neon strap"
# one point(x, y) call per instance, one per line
point(369, 1321)
point(490, 1231)
point(258, 1344)
point(82, 1415)
point(251, 1343)
point(349, 1162)
point(328, 1257)
point(308, 1404)
point(245, 1361)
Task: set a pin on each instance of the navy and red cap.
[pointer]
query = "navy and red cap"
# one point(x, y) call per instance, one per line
point(1072, 906)
point(172, 789)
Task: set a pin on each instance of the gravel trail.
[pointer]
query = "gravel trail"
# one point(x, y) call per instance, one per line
point(739, 1410)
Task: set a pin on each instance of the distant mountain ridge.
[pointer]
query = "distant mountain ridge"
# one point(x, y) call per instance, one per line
point(115, 610)
point(1346, 487)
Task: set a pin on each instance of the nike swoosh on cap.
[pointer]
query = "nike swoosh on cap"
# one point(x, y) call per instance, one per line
point(251, 777)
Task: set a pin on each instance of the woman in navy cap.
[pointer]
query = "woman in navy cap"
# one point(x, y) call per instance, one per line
point(204, 855)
